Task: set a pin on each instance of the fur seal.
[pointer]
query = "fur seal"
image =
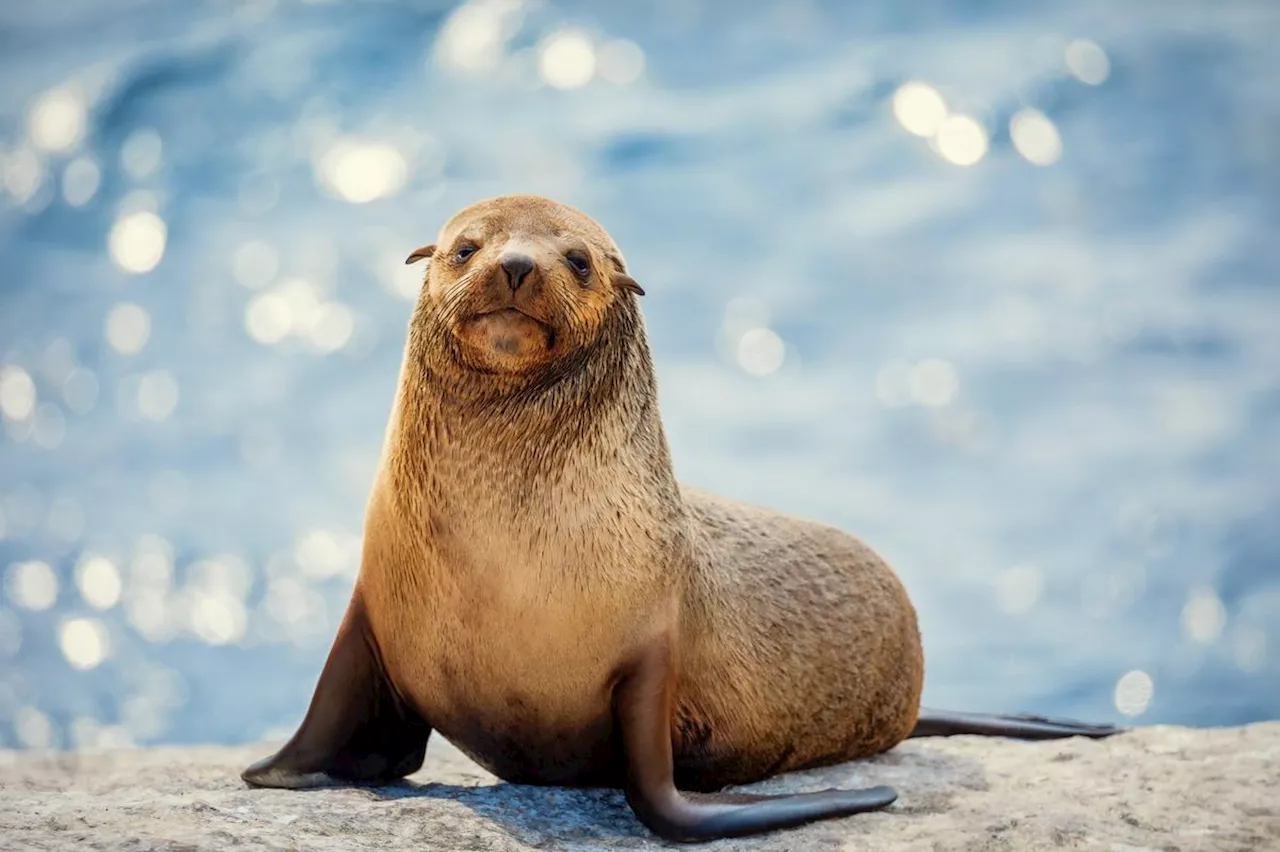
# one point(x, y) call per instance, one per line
point(537, 587)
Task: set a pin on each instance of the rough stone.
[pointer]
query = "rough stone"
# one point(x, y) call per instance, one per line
point(1155, 788)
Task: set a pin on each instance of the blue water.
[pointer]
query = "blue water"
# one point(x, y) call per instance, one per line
point(1049, 394)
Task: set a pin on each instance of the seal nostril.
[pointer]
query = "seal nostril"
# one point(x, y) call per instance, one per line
point(517, 267)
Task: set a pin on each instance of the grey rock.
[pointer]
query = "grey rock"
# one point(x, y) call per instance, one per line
point(1154, 788)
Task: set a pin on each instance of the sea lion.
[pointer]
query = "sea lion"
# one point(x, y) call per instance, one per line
point(537, 587)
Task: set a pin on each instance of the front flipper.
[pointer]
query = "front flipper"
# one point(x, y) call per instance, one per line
point(945, 723)
point(357, 728)
point(643, 702)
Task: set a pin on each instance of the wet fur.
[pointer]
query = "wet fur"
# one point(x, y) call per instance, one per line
point(526, 536)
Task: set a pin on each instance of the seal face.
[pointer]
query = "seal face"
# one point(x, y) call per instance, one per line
point(535, 585)
point(522, 283)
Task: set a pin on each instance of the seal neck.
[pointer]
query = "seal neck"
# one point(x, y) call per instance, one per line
point(594, 409)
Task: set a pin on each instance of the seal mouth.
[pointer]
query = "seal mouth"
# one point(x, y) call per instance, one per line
point(510, 310)
point(506, 321)
point(513, 312)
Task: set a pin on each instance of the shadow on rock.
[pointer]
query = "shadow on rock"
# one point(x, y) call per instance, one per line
point(925, 779)
point(533, 814)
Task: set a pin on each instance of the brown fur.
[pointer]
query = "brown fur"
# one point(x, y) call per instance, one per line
point(526, 536)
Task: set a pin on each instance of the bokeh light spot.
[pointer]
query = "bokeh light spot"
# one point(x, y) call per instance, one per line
point(620, 61)
point(474, 36)
point(961, 140)
point(567, 60)
point(360, 172)
point(32, 585)
point(152, 565)
point(128, 328)
point(149, 613)
point(934, 382)
point(218, 618)
point(292, 603)
point(1018, 589)
point(323, 553)
point(148, 606)
point(761, 351)
point(23, 174)
point(48, 426)
point(1088, 62)
point(83, 642)
point(1035, 137)
point(58, 360)
point(137, 241)
point(223, 574)
point(17, 393)
point(331, 327)
point(80, 181)
point(157, 395)
point(80, 390)
point(141, 153)
point(99, 581)
point(89, 734)
point(1133, 693)
point(919, 108)
point(34, 729)
point(57, 119)
point(255, 264)
point(1203, 616)
point(1249, 649)
point(268, 318)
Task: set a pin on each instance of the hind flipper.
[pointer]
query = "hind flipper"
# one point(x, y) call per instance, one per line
point(357, 728)
point(643, 709)
point(944, 723)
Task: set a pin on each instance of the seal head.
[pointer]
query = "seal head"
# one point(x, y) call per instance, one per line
point(520, 283)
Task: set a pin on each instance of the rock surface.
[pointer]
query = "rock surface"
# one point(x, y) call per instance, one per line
point(1153, 788)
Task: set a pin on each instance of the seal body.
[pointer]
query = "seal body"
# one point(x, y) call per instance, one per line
point(797, 645)
point(537, 587)
point(815, 634)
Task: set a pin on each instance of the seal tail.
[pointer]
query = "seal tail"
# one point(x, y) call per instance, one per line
point(944, 723)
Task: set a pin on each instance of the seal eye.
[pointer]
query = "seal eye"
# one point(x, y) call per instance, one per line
point(463, 252)
point(579, 264)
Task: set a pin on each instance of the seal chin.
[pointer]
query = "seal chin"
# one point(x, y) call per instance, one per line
point(507, 339)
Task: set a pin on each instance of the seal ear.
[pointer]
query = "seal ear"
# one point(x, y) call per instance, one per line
point(420, 253)
point(623, 281)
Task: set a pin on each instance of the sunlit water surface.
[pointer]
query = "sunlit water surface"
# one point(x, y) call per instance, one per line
point(996, 291)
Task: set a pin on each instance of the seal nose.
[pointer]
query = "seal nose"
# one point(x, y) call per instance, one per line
point(517, 267)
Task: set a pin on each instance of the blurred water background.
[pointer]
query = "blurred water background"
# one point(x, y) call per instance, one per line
point(992, 285)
